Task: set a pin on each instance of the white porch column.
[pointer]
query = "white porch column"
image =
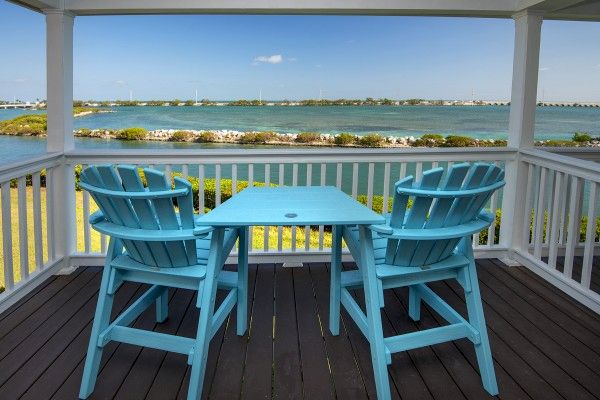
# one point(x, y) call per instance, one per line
point(59, 76)
point(521, 123)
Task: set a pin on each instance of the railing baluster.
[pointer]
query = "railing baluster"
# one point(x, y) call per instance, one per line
point(386, 187)
point(86, 223)
point(50, 213)
point(550, 204)
point(7, 240)
point(201, 189)
point(323, 183)
point(574, 222)
point(590, 237)
point(307, 227)
point(553, 240)
point(267, 228)
point(217, 185)
point(402, 173)
point(37, 220)
point(168, 172)
point(294, 183)
point(527, 233)
point(233, 179)
point(370, 176)
point(354, 180)
point(250, 184)
point(418, 171)
point(185, 171)
point(23, 239)
point(539, 215)
point(281, 182)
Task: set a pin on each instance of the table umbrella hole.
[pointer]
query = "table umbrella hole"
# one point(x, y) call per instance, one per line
point(291, 215)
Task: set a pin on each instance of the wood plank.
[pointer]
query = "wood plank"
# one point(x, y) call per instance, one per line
point(73, 356)
point(121, 361)
point(313, 354)
point(259, 354)
point(347, 378)
point(29, 348)
point(539, 336)
point(405, 379)
point(287, 375)
point(549, 300)
point(230, 366)
point(138, 381)
point(459, 359)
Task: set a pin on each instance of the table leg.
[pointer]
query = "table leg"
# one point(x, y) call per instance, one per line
point(242, 282)
point(335, 283)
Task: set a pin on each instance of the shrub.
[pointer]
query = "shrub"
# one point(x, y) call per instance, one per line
point(25, 125)
point(344, 139)
point(582, 137)
point(308, 137)
point(132, 134)
point(429, 140)
point(459, 141)
point(206, 137)
point(257, 137)
point(371, 140)
point(181, 136)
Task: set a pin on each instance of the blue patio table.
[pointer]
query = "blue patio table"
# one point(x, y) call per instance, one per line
point(293, 205)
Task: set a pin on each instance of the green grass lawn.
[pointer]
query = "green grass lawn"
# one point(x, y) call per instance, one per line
point(95, 238)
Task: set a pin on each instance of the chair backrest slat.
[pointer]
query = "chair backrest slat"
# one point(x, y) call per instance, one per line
point(167, 218)
point(143, 208)
point(92, 176)
point(430, 211)
point(417, 215)
point(147, 213)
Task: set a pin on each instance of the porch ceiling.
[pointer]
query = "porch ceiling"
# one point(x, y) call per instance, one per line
point(552, 9)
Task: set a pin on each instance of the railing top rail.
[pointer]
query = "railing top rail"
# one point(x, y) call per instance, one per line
point(19, 168)
point(284, 155)
point(585, 169)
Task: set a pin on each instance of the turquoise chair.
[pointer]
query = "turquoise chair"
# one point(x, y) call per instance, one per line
point(154, 240)
point(427, 241)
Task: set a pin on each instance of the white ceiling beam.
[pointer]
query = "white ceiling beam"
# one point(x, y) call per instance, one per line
point(39, 5)
point(586, 11)
point(490, 8)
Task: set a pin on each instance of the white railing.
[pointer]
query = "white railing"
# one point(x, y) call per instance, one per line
point(368, 175)
point(44, 226)
point(28, 254)
point(561, 237)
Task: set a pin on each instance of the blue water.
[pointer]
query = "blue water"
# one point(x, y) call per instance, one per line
point(478, 122)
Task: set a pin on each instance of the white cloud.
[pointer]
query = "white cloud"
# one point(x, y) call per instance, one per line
point(274, 59)
point(21, 80)
point(544, 69)
point(121, 82)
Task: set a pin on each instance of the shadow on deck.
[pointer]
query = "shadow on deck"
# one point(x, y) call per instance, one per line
point(545, 345)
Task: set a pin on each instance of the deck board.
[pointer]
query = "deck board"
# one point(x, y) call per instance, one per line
point(545, 345)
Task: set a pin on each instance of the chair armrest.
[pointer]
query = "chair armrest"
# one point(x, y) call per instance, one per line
point(100, 224)
point(483, 220)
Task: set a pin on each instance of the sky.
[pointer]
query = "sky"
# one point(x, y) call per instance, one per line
point(296, 57)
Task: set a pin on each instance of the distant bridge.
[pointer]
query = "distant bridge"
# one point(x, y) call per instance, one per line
point(18, 105)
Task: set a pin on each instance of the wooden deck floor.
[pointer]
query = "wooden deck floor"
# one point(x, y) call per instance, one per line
point(545, 345)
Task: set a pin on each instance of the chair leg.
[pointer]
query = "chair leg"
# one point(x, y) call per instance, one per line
point(335, 282)
point(242, 283)
point(375, 328)
point(477, 320)
point(414, 303)
point(206, 295)
point(101, 322)
point(162, 306)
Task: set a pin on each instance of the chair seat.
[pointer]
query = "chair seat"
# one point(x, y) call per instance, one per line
point(386, 270)
point(197, 271)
